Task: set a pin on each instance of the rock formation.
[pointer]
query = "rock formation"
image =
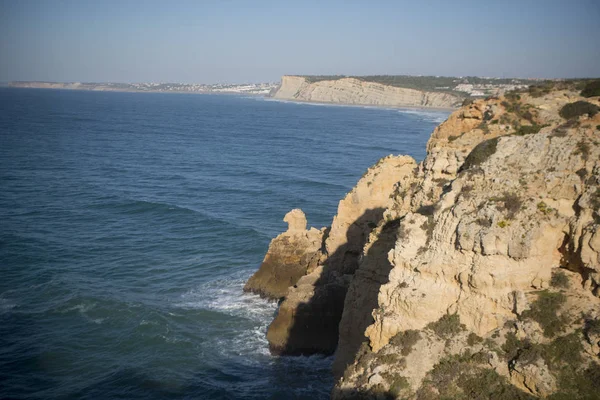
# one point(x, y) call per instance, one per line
point(473, 274)
point(307, 320)
point(291, 255)
point(355, 91)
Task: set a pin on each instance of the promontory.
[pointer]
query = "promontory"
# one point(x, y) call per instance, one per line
point(473, 274)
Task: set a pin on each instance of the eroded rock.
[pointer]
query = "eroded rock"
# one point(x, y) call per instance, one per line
point(290, 256)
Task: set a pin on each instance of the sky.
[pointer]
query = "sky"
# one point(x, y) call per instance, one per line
point(235, 41)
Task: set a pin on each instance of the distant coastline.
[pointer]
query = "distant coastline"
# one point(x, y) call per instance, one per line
point(261, 89)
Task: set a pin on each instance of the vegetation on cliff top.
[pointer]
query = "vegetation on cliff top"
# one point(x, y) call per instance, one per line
point(428, 83)
point(577, 109)
point(591, 89)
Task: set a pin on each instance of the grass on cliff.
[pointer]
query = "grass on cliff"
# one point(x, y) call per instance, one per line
point(480, 153)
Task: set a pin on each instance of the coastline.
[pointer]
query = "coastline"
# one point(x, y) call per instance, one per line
point(133, 91)
point(363, 105)
point(265, 96)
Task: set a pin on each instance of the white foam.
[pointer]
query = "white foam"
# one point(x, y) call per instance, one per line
point(227, 296)
point(432, 116)
point(82, 308)
point(6, 306)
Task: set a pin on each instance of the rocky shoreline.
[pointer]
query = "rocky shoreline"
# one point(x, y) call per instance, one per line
point(472, 274)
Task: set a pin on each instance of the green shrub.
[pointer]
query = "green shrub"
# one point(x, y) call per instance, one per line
point(578, 384)
point(484, 222)
point(595, 199)
point(488, 384)
point(583, 149)
point(592, 326)
point(540, 90)
point(474, 339)
point(543, 207)
point(397, 384)
point(462, 377)
point(467, 102)
point(582, 173)
point(511, 346)
point(389, 358)
point(578, 108)
point(428, 226)
point(559, 280)
point(563, 356)
point(447, 326)
point(544, 310)
point(406, 340)
point(528, 129)
point(480, 153)
point(565, 349)
point(591, 89)
point(511, 204)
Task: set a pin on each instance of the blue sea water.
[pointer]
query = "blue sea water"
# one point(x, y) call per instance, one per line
point(129, 223)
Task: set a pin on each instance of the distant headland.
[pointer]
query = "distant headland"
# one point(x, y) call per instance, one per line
point(394, 90)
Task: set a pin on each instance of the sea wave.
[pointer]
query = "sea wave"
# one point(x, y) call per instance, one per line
point(430, 116)
point(227, 296)
point(6, 305)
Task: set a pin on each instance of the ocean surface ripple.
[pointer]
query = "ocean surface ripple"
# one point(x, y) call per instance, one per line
point(129, 223)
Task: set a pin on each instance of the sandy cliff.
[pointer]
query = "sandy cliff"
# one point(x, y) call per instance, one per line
point(473, 274)
point(354, 91)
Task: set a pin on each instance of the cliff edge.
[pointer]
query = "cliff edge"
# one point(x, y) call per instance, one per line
point(472, 274)
point(355, 91)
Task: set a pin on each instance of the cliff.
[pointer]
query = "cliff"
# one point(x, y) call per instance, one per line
point(355, 91)
point(473, 274)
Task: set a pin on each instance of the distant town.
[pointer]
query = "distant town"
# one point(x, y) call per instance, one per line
point(246, 88)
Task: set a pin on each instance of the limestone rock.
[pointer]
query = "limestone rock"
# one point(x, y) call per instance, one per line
point(296, 220)
point(534, 377)
point(355, 91)
point(308, 319)
point(487, 252)
point(361, 210)
point(480, 233)
point(290, 256)
point(498, 228)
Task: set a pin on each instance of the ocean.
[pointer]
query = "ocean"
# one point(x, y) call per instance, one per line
point(129, 223)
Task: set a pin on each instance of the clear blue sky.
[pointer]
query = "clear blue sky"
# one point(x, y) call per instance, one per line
point(252, 41)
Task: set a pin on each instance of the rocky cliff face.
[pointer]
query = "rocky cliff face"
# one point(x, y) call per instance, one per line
point(473, 274)
point(354, 91)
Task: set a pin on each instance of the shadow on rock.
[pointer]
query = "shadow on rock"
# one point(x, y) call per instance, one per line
point(308, 320)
